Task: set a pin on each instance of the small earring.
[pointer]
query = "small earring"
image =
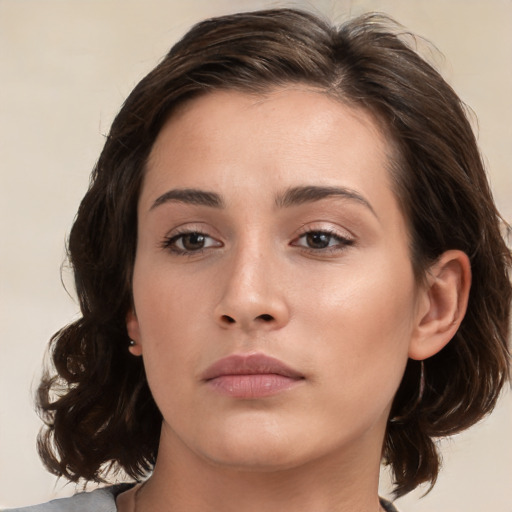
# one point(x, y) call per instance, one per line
point(134, 348)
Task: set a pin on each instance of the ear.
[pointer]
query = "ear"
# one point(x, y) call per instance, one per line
point(132, 327)
point(442, 304)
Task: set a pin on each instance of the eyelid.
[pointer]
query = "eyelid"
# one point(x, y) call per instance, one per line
point(179, 232)
point(345, 238)
point(325, 227)
point(332, 234)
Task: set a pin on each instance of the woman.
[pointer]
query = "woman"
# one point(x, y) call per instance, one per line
point(290, 269)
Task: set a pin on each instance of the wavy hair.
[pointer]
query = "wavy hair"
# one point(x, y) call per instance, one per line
point(98, 411)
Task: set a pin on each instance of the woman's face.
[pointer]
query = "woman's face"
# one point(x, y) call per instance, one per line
point(274, 296)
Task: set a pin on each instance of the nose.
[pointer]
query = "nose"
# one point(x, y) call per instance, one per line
point(252, 293)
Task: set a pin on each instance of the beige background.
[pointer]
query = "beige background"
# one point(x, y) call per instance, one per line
point(65, 68)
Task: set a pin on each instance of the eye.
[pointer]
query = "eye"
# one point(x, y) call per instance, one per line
point(189, 242)
point(318, 240)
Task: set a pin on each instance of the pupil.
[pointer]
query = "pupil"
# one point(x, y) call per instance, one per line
point(318, 240)
point(193, 241)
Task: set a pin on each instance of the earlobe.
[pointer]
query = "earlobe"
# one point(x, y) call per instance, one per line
point(443, 304)
point(132, 327)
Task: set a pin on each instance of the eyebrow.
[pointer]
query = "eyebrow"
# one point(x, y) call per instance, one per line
point(291, 197)
point(308, 194)
point(190, 196)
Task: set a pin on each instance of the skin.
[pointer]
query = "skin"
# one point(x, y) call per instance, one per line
point(346, 315)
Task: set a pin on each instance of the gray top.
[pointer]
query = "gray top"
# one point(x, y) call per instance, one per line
point(102, 500)
point(99, 500)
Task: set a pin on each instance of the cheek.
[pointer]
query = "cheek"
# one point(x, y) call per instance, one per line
point(361, 324)
point(167, 302)
point(168, 325)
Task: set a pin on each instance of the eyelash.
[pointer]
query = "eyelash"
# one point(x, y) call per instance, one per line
point(169, 243)
point(342, 242)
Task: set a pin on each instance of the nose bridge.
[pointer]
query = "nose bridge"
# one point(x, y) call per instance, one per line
point(251, 293)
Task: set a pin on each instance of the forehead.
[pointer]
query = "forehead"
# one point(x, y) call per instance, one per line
point(290, 134)
point(295, 114)
point(301, 102)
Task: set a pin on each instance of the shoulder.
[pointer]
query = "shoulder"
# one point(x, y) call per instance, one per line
point(99, 500)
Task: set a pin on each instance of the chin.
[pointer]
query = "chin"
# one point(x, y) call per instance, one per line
point(257, 449)
point(254, 459)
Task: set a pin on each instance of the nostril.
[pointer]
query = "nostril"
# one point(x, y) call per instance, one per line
point(265, 318)
point(228, 319)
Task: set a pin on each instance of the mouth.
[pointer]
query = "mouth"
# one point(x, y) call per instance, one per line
point(250, 376)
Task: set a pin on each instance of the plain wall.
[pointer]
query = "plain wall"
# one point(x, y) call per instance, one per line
point(65, 68)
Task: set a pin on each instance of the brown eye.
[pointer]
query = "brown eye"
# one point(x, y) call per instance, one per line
point(318, 240)
point(322, 241)
point(190, 242)
point(193, 241)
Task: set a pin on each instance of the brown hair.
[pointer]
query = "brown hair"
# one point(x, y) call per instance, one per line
point(97, 407)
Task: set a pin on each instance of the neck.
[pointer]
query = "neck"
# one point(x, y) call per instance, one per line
point(185, 482)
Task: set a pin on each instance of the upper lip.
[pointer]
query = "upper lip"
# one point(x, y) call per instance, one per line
point(249, 364)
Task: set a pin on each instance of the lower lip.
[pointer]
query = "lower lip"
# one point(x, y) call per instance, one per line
point(252, 386)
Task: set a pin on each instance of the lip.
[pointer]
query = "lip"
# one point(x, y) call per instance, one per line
point(250, 376)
